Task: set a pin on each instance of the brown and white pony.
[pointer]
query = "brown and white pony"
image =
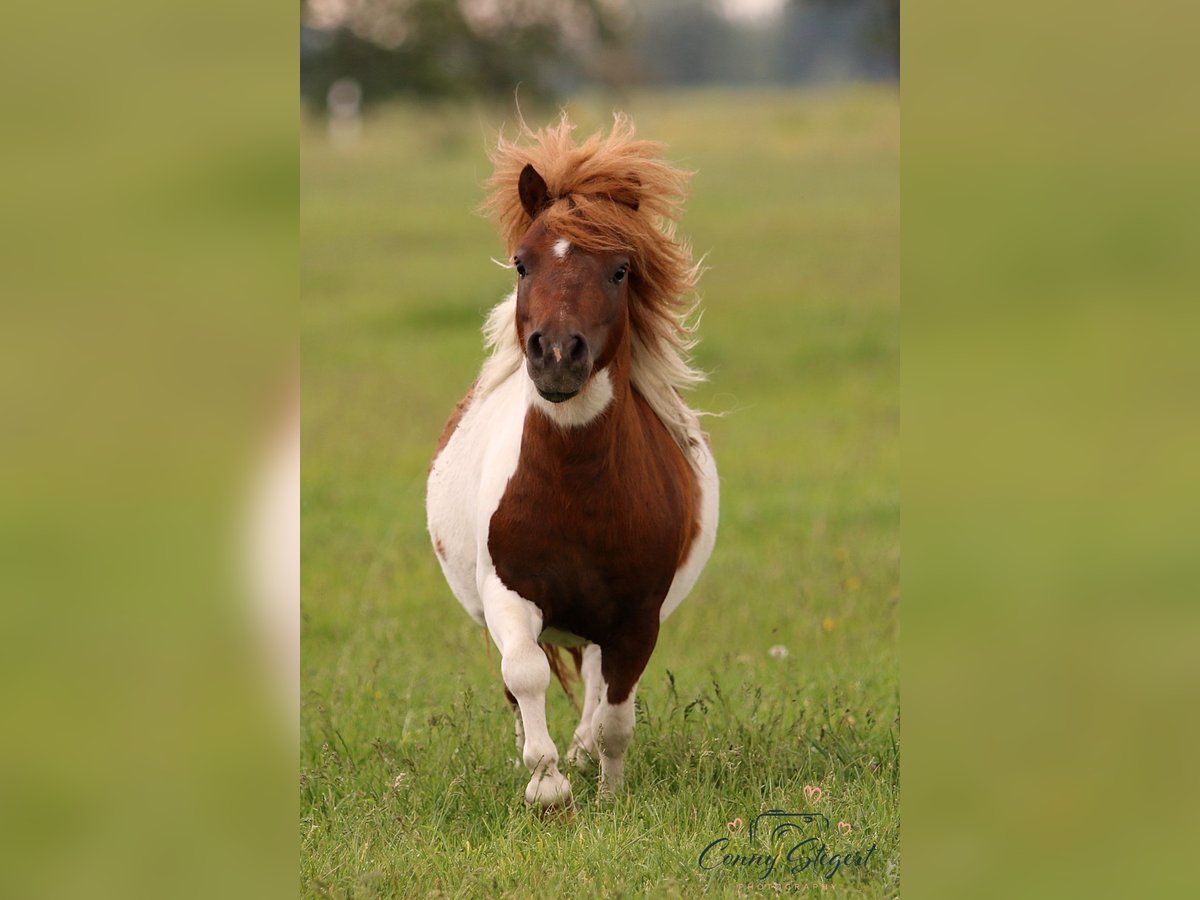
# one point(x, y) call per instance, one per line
point(572, 499)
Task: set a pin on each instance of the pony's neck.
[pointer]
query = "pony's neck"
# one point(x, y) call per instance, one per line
point(619, 369)
point(622, 362)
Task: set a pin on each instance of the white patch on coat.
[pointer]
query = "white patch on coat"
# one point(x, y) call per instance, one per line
point(466, 483)
point(562, 247)
point(709, 486)
point(593, 399)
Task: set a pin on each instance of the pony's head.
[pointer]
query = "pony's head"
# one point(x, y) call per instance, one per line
point(572, 302)
point(601, 277)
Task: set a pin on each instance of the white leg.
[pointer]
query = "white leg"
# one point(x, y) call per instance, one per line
point(614, 729)
point(583, 744)
point(514, 624)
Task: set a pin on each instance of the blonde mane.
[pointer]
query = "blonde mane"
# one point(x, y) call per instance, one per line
point(610, 192)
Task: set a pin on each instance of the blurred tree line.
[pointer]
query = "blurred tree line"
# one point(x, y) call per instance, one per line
point(463, 48)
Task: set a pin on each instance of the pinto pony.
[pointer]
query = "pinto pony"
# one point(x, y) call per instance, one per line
point(572, 499)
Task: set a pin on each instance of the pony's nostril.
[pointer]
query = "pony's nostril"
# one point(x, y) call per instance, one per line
point(577, 349)
point(534, 346)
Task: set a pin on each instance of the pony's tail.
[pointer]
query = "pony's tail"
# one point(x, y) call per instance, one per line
point(558, 665)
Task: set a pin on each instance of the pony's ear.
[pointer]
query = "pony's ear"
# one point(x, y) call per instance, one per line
point(535, 196)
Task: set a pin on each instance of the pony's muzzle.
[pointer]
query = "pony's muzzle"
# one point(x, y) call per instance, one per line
point(559, 364)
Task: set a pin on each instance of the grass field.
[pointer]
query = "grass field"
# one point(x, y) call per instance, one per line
point(408, 784)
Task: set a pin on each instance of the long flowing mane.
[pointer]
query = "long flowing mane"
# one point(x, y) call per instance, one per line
point(610, 192)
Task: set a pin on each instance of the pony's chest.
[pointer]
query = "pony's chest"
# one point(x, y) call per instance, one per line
point(588, 511)
point(573, 530)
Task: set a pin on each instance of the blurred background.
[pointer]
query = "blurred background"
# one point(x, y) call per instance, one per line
point(433, 49)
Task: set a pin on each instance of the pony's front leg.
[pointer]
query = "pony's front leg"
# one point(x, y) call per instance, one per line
point(514, 624)
point(621, 668)
point(614, 731)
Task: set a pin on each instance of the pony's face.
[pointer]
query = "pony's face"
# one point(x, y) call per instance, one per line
point(571, 303)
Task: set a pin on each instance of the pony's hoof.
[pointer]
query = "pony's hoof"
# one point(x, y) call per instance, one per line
point(548, 791)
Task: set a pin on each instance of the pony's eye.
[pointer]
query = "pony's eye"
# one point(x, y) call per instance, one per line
point(520, 268)
point(619, 274)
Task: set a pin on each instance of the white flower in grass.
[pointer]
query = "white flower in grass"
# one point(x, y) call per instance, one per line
point(778, 652)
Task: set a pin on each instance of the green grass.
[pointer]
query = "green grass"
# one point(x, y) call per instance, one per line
point(408, 782)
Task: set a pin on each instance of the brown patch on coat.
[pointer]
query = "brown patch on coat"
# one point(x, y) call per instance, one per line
point(451, 425)
point(439, 549)
point(594, 524)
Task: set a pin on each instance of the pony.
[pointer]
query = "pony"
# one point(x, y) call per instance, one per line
point(572, 499)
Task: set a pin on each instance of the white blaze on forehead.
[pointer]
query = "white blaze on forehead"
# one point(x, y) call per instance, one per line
point(561, 246)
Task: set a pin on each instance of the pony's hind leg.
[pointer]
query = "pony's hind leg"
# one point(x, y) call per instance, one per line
point(583, 744)
point(514, 624)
